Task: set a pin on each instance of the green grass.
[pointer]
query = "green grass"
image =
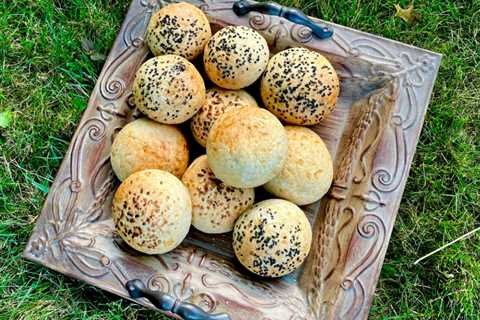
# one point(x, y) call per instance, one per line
point(45, 81)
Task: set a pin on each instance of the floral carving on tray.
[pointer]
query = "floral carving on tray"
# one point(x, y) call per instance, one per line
point(69, 230)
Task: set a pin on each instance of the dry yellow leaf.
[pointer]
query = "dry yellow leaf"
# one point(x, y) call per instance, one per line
point(407, 15)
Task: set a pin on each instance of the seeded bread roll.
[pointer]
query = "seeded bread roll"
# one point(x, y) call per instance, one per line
point(145, 144)
point(247, 147)
point(272, 238)
point(235, 57)
point(218, 101)
point(300, 86)
point(178, 28)
point(308, 171)
point(152, 211)
point(215, 205)
point(168, 89)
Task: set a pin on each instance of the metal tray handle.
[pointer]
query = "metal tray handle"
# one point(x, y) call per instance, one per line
point(242, 7)
point(137, 289)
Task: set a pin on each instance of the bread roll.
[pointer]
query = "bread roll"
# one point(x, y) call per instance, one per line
point(235, 57)
point(247, 147)
point(216, 206)
point(272, 238)
point(145, 144)
point(218, 101)
point(168, 89)
point(300, 86)
point(178, 28)
point(308, 171)
point(152, 211)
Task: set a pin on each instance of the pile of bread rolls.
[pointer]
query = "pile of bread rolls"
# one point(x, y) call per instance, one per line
point(247, 146)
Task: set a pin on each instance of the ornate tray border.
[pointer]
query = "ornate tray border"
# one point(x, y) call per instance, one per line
point(69, 236)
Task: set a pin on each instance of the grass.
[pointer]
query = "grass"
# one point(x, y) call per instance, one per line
point(45, 81)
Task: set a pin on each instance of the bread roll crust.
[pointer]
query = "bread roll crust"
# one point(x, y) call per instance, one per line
point(168, 89)
point(272, 238)
point(145, 144)
point(235, 57)
point(247, 147)
point(178, 28)
point(152, 211)
point(308, 171)
point(300, 86)
point(215, 205)
point(218, 101)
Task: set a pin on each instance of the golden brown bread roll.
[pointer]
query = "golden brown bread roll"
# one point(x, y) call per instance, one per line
point(215, 205)
point(308, 170)
point(247, 147)
point(152, 211)
point(168, 89)
point(178, 28)
point(272, 238)
point(235, 57)
point(218, 101)
point(300, 86)
point(145, 144)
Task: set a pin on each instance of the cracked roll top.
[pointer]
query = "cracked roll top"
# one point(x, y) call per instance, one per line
point(272, 238)
point(180, 29)
point(168, 89)
point(145, 144)
point(247, 147)
point(300, 86)
point(152, 211)
point(215, 205)
point(235, 57)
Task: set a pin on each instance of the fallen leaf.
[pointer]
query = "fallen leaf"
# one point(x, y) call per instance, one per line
point(97, 56)
point(87, 45)
point(407, 15)
point(6, 118)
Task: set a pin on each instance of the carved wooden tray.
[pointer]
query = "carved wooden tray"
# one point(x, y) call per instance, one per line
point(385, 90)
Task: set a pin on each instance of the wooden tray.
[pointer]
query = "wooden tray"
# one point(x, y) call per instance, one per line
point(385, 90)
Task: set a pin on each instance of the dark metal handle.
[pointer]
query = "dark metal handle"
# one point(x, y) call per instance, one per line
point(242, 7)
point(166, 302)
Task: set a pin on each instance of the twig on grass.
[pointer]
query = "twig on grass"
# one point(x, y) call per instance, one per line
point(466, 235)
